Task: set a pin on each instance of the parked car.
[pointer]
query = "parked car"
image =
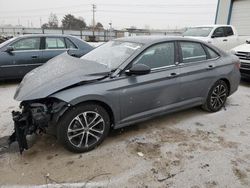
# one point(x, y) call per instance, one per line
point(119, 83)
point(4, 38)
point(243, 52)
point(222, 36)
point(20, 55)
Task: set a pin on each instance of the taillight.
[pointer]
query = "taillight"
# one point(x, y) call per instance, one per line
point(237, 64)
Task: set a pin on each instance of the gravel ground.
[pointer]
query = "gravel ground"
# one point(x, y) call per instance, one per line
point(191, 148)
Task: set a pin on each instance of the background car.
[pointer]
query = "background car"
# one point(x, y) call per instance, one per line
point(243, 52)
point(120, 83)
point(224, 37)
point(20, 55)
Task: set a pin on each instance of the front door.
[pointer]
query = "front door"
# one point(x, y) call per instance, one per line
point(150, 94)
point(25, 57)
point(220, 40)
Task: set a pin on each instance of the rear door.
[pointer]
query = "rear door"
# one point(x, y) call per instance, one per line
point(25, 57)
point(53, 46)
point(197, 70)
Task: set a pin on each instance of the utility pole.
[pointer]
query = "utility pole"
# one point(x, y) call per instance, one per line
point(94, 10)
point(40, 22)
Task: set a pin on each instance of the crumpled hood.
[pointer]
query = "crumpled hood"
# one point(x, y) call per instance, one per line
point(58, 73)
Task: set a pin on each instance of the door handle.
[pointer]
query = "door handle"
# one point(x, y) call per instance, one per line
point(34, 56)
point(210, 67)
point(173, 74)
point(224, 40)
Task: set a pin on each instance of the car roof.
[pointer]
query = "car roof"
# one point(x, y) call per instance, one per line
point(155, 39)
point(44, 35)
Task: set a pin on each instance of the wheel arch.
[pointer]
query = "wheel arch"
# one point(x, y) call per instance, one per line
point(228, 84)
point(103, 104)
point(216, 80)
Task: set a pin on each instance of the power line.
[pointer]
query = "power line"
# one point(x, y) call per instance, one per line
point(114, 5)
point(152, 12)
point(42, 15)
point(120, 12)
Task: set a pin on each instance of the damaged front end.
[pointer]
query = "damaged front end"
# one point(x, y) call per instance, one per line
point(35, 117)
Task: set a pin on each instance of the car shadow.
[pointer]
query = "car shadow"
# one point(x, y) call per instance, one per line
point(245, 82)
point(156, 122)
point(10, 82)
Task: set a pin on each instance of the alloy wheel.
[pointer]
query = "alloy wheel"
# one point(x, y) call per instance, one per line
point(86, 129)
point(218, 96)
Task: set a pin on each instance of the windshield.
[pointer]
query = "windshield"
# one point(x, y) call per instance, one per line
point(6, 42)
point(113, 53)
point(198, 31)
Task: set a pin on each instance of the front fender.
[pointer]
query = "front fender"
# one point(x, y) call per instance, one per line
point(75, 96)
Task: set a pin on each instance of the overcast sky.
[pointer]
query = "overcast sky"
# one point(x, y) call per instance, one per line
point(156, 14)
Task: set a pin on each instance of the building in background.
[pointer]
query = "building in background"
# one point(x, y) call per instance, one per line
point(236, 13)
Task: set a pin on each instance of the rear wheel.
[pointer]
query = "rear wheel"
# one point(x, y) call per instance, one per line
point(83, 128)
point(217, 97)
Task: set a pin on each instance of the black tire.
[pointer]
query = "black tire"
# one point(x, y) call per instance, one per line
point(217, 97)
point(73, 131)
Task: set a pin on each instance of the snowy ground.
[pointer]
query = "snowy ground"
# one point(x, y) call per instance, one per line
point(191, 149)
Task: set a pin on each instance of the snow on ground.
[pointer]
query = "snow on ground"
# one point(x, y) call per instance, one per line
point(191, 148)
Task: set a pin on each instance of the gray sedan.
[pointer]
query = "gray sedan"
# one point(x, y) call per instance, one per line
point(122, 82)
point(20, 55)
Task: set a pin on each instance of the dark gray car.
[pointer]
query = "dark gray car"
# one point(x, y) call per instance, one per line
point(20, 55)
point(120, 83)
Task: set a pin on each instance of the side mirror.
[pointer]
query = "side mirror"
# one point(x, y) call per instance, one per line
point(217, 34)
point(138, 69)
point(9, 49)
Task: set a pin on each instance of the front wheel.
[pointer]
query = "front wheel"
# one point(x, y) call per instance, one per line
point(217, 97)
point(83, 127)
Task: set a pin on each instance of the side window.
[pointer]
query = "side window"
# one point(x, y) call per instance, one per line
point(212, 53)
point(157, 56)
point(228, 31)
point(27, 44)
point(54, 43)
point(192, 52)
point(219, 32)
point(70, 44)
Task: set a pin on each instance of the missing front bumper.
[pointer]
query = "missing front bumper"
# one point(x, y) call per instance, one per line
point(35, 118)
point(20, 130)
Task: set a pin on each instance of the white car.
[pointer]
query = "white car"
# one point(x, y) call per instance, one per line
point(243, 52)
point(224, 37)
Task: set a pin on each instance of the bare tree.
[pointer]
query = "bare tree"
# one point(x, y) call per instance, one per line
point(53, 21)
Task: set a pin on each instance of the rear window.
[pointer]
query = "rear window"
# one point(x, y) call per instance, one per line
point(212, 53)
point(54, 43)
point(192, 52)
point(70, 44)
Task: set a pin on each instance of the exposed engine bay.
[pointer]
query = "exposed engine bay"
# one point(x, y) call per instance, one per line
point(34, 118)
